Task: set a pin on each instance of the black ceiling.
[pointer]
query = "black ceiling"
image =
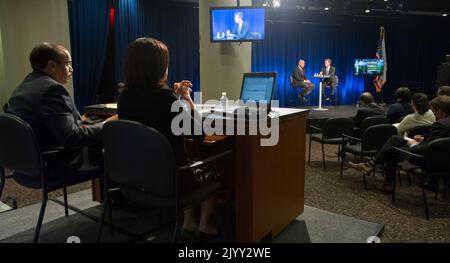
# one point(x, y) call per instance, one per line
point(355, 7)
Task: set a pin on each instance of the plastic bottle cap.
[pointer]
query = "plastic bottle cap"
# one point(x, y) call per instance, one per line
point(224, 93)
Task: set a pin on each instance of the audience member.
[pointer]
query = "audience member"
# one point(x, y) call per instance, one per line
point(402, 107)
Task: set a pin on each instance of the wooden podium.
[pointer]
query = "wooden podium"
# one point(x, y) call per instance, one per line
point(267, 183)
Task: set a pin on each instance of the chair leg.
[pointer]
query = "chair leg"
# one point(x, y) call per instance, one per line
point(2, 181)
point(425, 203)
point(444, 194)
point(66, 205)
point(399, 177)
point(37, 231)
point(176, 231)
point(342, 163)
point(110, 217)
point(365, 181)
point(394, 185)
point(323, 157)
point(102, 220)
point(309, 154)
point(339, 152)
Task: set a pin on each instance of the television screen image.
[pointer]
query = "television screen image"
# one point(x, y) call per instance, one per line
point(237, 24)
point(370, 67)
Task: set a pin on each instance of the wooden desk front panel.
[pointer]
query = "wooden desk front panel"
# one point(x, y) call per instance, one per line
point(270, 181)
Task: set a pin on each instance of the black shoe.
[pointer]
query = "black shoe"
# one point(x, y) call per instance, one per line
point(204, 237)
point(188, 235)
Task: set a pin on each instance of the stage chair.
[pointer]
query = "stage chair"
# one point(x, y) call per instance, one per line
point(141, 161)
point(302, 102)
point(434, 167)
point(372, 140)
point(331, 134)
point(20, 153)
point(336, 98)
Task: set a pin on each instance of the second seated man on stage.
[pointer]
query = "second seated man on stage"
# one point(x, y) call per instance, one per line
point(330, 81)
point(299, 80)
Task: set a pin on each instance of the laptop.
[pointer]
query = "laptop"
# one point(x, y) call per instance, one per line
point(257, 87)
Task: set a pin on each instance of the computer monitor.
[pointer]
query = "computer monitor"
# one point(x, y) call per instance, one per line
point(258, 87)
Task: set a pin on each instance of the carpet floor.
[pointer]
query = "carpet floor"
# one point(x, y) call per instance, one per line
point(404, 220)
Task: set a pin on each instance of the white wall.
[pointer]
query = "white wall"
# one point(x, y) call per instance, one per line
point(23, 24)
point(221, 65)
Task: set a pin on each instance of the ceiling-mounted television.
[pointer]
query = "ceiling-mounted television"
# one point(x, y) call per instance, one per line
point(237, 24)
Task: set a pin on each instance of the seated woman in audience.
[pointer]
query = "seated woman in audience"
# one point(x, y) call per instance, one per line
point(422, 115)
point(147, 99)
point(399, 110)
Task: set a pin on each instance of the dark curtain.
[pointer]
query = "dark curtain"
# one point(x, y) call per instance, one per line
point(89, 27)
point(177, 25)
point(413, 50)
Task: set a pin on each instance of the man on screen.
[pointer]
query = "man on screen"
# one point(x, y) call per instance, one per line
point(241, 28)
point(330, 80)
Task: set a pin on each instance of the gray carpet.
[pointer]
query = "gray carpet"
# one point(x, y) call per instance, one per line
point(314, 226)
point(319, 226)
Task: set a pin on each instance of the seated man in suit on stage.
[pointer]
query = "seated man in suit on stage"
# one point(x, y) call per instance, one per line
point(367, 108)
point(299, 80)
point(444, 90)
point(44, 103)
point(397, 111)
point(443, 73)
point(241, 28)
point(331, 81)
point(418, 145)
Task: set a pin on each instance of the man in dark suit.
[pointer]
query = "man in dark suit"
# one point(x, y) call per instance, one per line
point(241, 28)
point(299, 80)
point(43, 102)
point(329, 72)
point(418, 145)
point(367, 108)
point(397, 111)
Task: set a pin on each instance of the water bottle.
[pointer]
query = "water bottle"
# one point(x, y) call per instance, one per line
point(224, 100)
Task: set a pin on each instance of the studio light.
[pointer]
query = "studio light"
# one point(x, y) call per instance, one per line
point(276, 3)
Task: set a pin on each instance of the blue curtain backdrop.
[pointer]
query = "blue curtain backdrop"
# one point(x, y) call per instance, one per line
point(413, 52)
point(177, 25)
point(89, 28)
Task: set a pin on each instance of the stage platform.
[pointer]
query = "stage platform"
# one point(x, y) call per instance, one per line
point(318, 118)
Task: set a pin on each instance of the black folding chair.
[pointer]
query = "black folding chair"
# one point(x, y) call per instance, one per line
point(369, 122)
point(331, 134)
point(406, 166)
point(434, 165)
point(372, 140)
point(141, 161)
point(20, 153)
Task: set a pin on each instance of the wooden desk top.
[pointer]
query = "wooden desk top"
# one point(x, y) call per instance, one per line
point(205, 110)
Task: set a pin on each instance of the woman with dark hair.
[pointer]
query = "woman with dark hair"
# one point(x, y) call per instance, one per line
point(147, 99)
point(402, 107)
point(422, 114)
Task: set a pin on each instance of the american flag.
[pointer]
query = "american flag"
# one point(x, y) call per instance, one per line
point(379, 81)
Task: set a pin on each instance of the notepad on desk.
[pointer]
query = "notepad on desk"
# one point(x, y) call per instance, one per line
point(101, 109)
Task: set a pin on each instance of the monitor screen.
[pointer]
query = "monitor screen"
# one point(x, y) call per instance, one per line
point(370, 67)
point(258, 87)
point(237, 24)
